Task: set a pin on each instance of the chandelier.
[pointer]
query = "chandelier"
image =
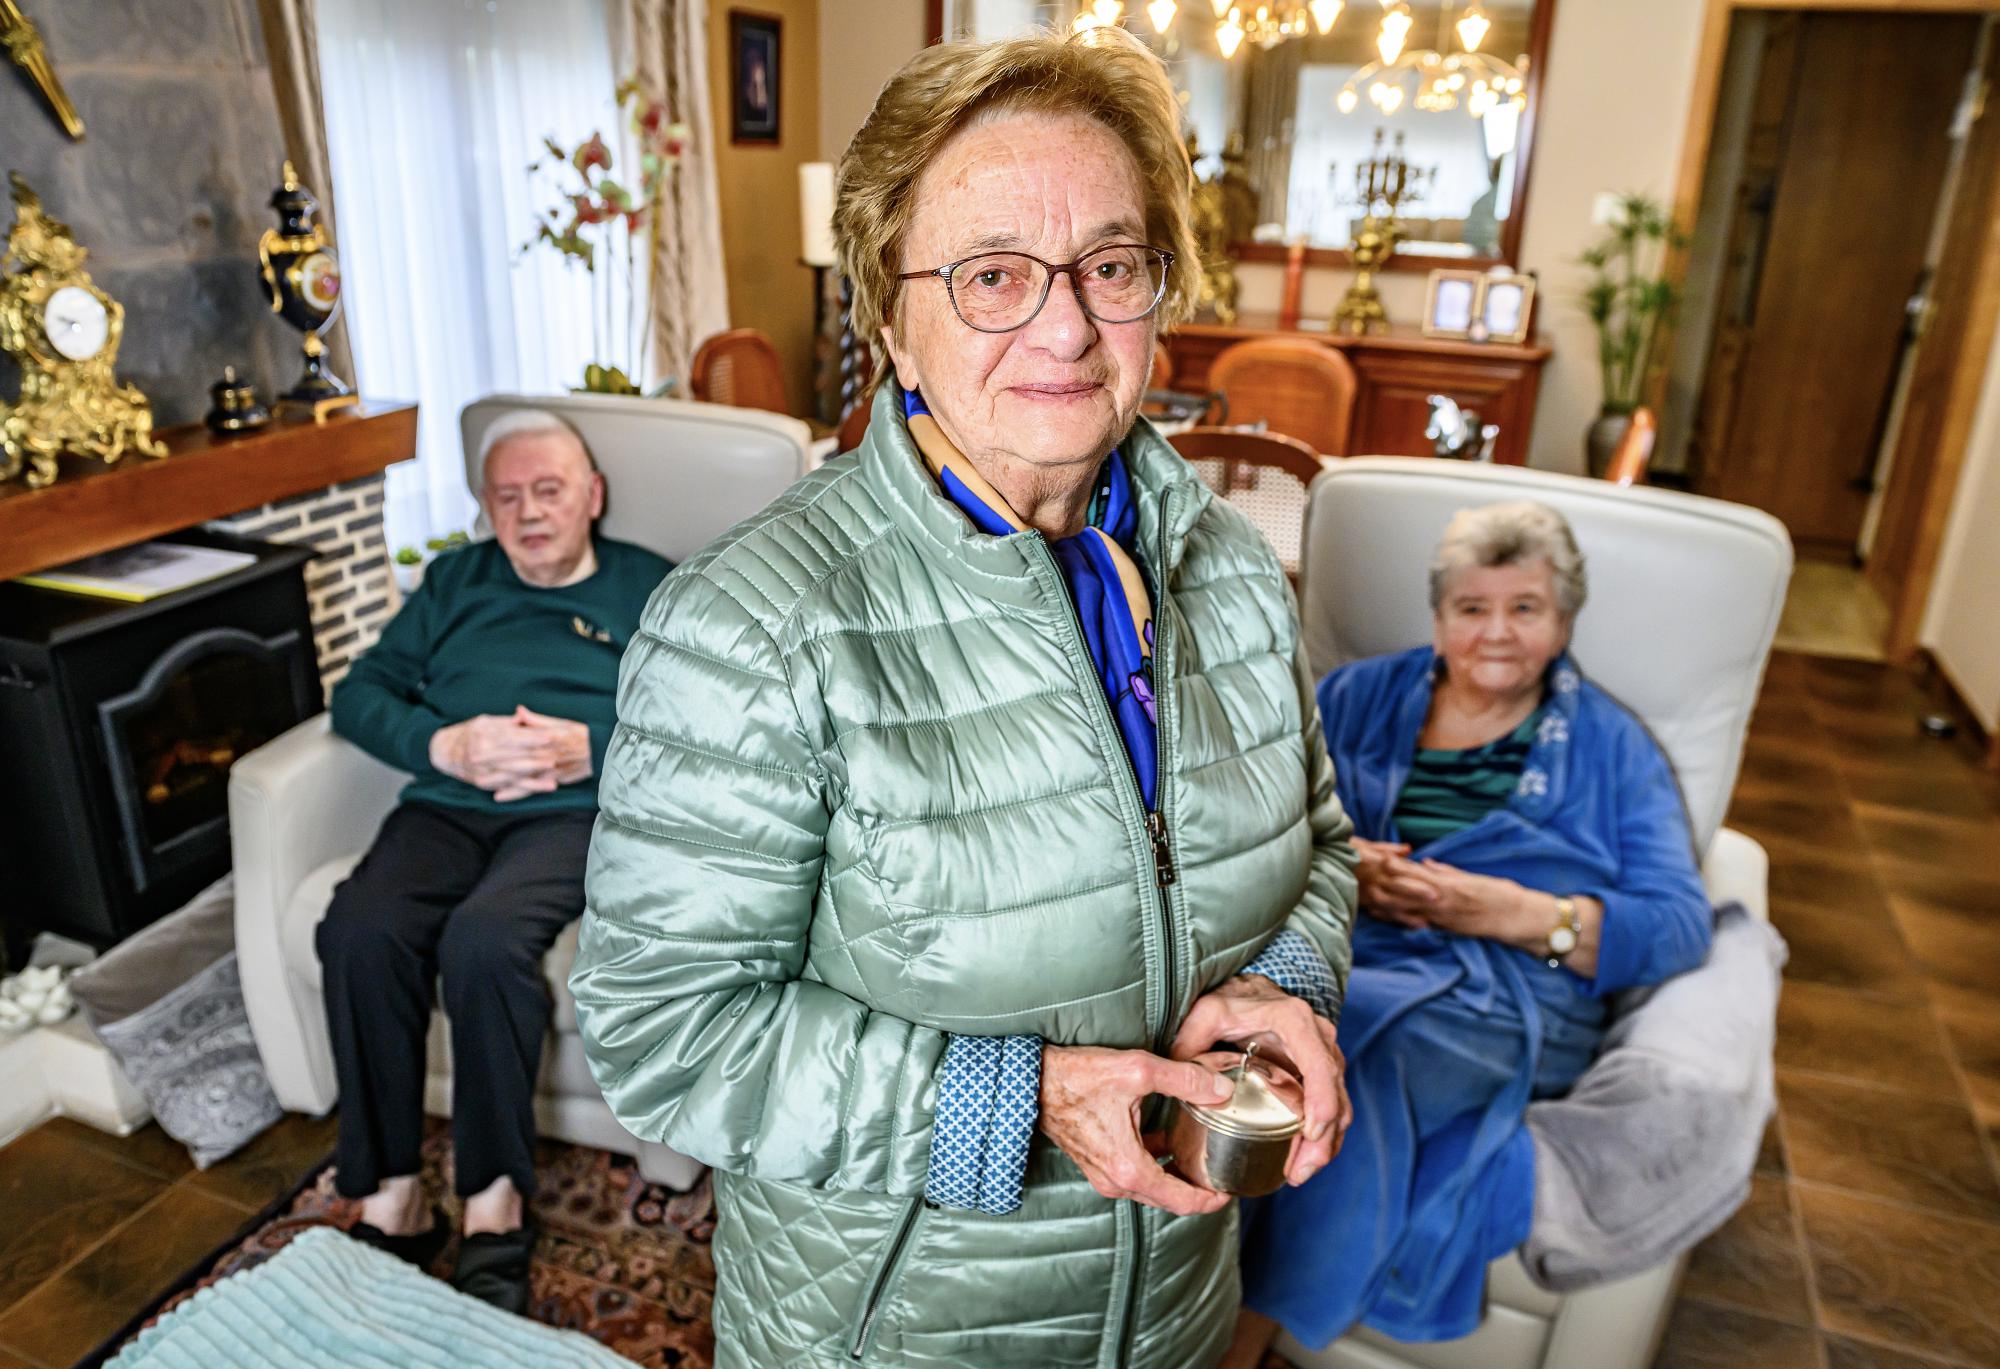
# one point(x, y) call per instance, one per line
point(1435, 80)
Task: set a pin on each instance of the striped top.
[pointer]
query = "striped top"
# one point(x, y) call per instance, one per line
point(1450, 790)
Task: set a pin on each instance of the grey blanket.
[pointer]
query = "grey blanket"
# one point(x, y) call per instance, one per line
point(1654, 1147)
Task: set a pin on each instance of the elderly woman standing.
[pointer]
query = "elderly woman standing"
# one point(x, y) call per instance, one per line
point(1524, 855)
point(964, 795)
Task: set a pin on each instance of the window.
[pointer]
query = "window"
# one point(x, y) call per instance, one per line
point(434, 111)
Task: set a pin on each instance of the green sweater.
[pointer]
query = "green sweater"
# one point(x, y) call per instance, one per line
point(475, 638)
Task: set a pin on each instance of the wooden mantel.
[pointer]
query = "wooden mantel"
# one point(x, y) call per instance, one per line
point(94, 507)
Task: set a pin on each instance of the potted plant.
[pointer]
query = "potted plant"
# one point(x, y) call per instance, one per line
point(407, 565)
point(607, 227)
point(1631, 300)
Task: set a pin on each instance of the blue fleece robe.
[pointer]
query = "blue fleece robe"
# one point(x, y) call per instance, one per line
point(1448, 1038)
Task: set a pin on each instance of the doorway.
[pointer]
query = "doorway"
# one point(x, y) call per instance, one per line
point(1837, 235)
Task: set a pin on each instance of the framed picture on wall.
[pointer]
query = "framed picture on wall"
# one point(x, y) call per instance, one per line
point(1506, 307)
point(753, 77)
point(1451, 305)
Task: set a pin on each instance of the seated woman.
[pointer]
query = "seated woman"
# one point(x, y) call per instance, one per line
point(1524, 855)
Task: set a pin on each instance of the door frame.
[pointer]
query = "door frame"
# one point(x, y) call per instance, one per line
point(1906, 614)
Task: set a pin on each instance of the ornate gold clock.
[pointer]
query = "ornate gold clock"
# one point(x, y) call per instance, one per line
point(63, 332)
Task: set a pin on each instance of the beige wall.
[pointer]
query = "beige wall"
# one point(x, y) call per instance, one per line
point(861, 44)
point(1962, 626)
point(759, 184)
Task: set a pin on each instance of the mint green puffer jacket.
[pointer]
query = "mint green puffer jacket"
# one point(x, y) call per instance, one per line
point(866, 793)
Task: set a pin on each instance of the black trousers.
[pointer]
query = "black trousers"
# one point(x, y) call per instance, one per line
point(476, 898)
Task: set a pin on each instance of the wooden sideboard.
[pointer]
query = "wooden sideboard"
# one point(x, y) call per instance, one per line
point(1398, 371)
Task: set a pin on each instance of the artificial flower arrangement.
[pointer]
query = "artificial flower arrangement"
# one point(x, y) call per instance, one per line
point(608, 225)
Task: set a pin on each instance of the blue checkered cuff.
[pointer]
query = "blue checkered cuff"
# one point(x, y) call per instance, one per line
point(1295, 965)
point(988, 1097)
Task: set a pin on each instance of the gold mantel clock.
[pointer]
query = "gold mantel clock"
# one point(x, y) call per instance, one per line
point(63, 332)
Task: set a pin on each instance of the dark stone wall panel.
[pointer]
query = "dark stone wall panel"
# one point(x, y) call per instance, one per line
point(168, 189)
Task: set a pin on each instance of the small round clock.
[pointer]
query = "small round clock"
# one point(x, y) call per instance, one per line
point(77, 322)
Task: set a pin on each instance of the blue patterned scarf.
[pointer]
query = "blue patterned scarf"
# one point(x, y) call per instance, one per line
point(1113, 606)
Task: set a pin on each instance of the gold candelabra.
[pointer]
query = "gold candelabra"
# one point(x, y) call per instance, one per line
point(1383, 185)
point(23, 42)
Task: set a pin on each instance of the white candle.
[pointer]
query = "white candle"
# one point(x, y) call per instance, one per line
point(816, 213)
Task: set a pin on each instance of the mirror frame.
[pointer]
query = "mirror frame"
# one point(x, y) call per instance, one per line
point(1510, 232)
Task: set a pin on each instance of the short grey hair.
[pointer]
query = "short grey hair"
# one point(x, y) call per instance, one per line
point(1511, 534)
point(528, 423)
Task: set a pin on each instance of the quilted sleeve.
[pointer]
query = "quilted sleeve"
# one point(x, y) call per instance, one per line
point(704, 869)
point(1324, 917)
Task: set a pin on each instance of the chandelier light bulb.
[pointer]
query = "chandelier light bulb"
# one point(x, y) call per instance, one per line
point(1395, 29)
point(1472, 27)
point(1393, 100)
point(1161, 12)
point(1229, 35)
point(1222, 8)
point(1345, 100)
point(1107, 11)
point(1324, 12)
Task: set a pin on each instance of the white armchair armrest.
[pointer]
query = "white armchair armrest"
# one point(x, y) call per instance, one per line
point(295, 803)
point(1738, 869)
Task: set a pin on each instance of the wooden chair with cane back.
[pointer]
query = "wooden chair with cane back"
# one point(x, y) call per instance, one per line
point(1291, 385)
point(740, 368)
point(1265, 475)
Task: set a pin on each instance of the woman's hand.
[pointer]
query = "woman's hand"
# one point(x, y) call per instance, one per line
point(1392, 888)
point(1483, 905)
point(1502, 910)
point(1286, 1029)
point(1091, 1099)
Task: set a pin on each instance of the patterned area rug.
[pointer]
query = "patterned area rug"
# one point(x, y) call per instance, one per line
point(621, 1260)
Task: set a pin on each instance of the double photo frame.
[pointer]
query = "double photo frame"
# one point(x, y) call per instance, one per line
point(1480, 306)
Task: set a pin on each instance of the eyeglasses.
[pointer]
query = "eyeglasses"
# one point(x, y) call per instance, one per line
point(997, 292)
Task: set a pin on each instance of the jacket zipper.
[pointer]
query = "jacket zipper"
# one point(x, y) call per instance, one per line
point(885, 1280)
point(1164, 872)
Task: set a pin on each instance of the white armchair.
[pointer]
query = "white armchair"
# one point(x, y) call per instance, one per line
point(1684, 601)
point(305, 807)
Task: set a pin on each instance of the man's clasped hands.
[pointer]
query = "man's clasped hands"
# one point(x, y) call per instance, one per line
point(513, 755)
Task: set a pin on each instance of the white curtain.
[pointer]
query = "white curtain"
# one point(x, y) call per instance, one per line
point(434, 111)
point(664, 45)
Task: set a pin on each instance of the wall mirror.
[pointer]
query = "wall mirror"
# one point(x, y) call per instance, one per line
point(1303, 87)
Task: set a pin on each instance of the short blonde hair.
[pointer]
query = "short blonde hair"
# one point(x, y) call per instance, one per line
point(1104, 74)
point(1509, 534)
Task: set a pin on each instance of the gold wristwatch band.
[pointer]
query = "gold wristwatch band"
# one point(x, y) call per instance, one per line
point(1567, 932)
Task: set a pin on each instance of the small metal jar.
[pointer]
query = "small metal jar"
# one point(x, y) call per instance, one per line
point(1240, 1146)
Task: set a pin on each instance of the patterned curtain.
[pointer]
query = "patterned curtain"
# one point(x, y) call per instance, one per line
point(664, 44)
point(291, 34)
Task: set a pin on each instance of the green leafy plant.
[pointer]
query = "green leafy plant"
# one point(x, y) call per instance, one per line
point(1630, 297)
point(409, 556)
point(446, 543)
point(601, 221)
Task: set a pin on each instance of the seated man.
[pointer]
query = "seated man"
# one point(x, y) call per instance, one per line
point(493, 686)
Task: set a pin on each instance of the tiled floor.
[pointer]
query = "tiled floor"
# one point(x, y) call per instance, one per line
point(96, 1225)
point(1872, 1236)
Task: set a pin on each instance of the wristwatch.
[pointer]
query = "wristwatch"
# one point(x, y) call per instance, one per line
point(1566, 933)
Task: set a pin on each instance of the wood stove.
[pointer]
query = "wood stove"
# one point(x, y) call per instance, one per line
point(118, 724)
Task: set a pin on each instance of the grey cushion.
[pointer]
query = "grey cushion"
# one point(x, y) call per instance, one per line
point(192, 1056)
point(168, 1005)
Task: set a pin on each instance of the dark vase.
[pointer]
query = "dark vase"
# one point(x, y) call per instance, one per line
point(1600, 443)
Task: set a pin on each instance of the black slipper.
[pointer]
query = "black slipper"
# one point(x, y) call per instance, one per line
point(493, 1267)
point(419, 1248)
